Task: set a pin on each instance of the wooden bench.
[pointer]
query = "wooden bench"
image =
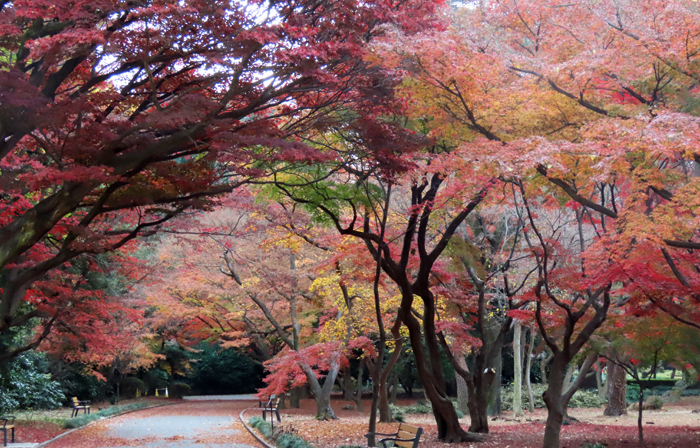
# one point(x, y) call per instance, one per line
point(7, 423)
point(78, 405)
point(407, 436)
point(272, 406)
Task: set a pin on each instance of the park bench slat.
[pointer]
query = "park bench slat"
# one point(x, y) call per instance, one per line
point(406, 436)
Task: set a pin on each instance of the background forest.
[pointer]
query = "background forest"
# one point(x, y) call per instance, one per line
point(297, 195)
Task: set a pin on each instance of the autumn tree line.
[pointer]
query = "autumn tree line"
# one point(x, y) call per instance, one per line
point(315, 182)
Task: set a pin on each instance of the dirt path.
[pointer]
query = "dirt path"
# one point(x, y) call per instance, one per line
point(190, 424)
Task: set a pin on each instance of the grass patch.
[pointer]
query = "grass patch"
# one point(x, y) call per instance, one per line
point(83, 420)
point(281, 435)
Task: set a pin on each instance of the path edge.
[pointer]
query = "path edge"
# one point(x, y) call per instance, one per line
point(251, 431)
point(43, 444)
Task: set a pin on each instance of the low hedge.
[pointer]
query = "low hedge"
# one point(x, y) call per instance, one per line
point(280, 435)
point(83, 420)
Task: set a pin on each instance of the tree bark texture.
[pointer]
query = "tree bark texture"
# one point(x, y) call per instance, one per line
point(617, 391)
point(528, 369)
point(462, 388)
point(517, 371)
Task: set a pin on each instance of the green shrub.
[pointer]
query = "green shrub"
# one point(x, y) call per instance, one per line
point(632, 393)
point(132, 387)
point(25, 384)
point(583, 398)
point(254, 421)
point(281, 436)
point(262, 426)
point(421, 407)
point(83, 420)
point(223, 371)
point(179, 390)
point(595, 445)
point(586, 398)
point(77, 381)
point(655, 402)
point(460, 414)
point(397, 413)
point(507, 397)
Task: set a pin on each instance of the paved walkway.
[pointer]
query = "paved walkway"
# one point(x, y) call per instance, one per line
point(190, 424)
point(247, 397)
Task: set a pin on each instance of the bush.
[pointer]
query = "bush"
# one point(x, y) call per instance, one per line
point(632, 393)
point(262, 426)
point(76, 382)
point(586, 398)
point(25, 384)
point(655, 403)
point(155, 379)
point(421, 407)
point(282, 436)
point(396, 413)
point(83, 420)
point(224, 371)
point(132, 387)
point(179, 390)
point(507, 397)
point(583, 398)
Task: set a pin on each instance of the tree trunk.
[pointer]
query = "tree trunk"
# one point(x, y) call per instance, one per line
point(602, 386)
point(430, 372)
point(322, 395)
point(543, 368)
point(556, 410)
point(557, 398)
point(347, 384)
point(528, 369)
point(517, 371)
point(569, 374)
point(617, 391)
point(478, 399)
point(394, 388)
point(640, 427)
point(357, 397)
point(494, 391)
point(462, 388)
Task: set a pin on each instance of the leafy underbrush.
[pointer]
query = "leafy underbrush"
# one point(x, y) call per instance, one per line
point(582, 398)
point(281, 435)
point(112, 410)
point(420, 407)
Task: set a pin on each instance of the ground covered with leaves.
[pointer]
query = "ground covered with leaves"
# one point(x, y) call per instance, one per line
point(673, 427)
point(216, 424)
point(36, 426)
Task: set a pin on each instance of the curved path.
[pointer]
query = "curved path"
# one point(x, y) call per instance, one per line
point(189, 424)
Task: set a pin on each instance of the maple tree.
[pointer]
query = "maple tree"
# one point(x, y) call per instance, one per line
point(258, 283)
point(347, 203)
point(118, 116)
point(589, 106)
point(634, 347)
